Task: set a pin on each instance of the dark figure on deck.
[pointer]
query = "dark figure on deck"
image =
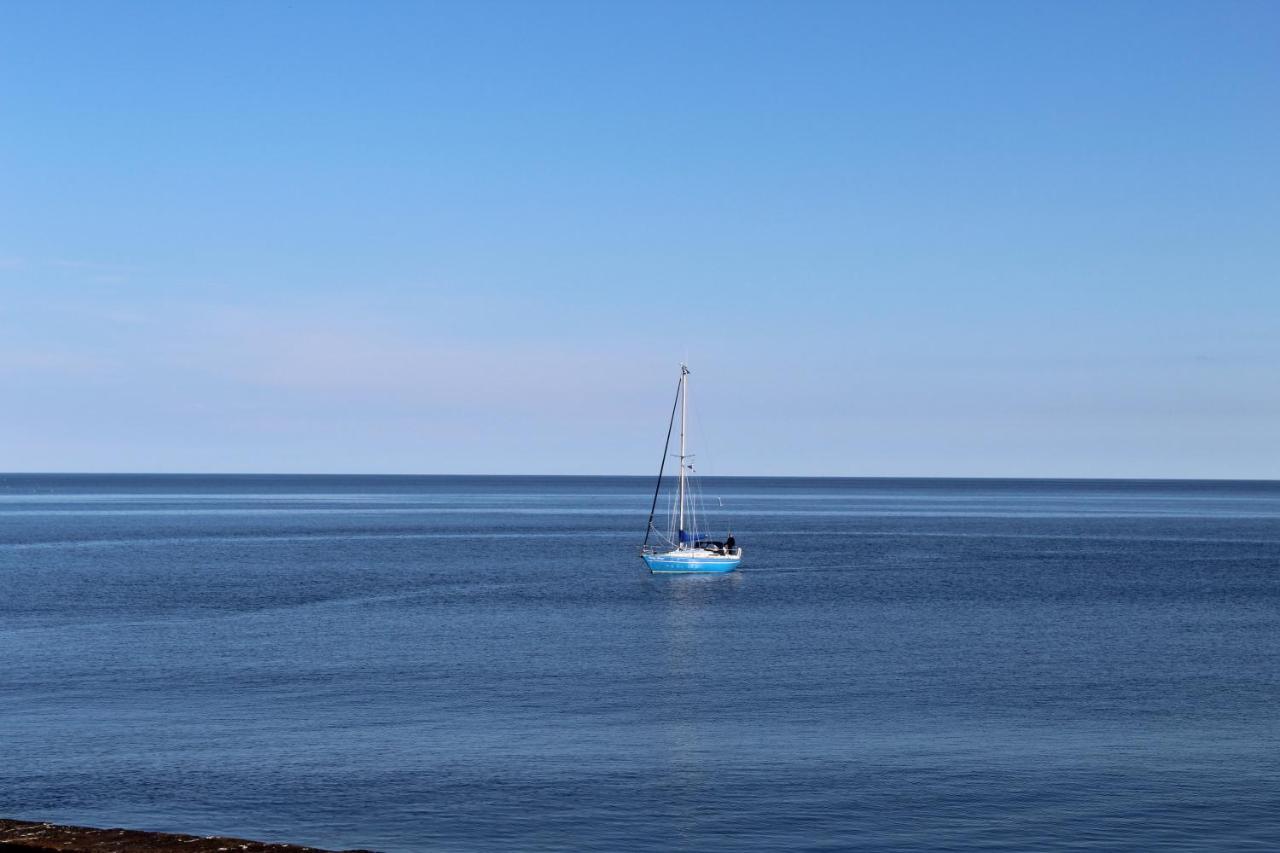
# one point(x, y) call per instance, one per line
point(729, 544)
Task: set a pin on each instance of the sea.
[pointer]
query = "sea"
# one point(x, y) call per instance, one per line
point(483, 663)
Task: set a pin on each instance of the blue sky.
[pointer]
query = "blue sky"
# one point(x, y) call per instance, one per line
point(971, 239)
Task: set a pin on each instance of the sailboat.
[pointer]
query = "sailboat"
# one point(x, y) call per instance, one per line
point(682, 548)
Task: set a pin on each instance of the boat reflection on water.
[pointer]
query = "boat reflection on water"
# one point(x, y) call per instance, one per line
point(692, 726)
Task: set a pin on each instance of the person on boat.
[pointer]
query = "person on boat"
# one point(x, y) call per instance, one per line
point(730, 544)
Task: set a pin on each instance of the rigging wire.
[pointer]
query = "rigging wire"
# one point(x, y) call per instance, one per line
point(710, 470)
point(663, 464)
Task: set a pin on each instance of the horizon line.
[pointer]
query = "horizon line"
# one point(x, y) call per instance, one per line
point(992, 477)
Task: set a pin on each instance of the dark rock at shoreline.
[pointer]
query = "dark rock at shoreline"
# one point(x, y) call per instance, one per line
point(20, 836)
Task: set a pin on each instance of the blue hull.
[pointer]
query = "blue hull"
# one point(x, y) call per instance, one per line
point(689, 565)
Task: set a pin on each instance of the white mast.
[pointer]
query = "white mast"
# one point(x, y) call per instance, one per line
point(684, 410)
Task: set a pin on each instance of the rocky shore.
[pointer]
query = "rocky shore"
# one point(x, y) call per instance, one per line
point(20, 836)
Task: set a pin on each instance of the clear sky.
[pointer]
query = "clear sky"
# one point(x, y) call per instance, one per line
point(976, 238)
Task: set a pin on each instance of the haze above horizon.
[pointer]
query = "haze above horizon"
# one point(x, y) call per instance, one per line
point(918, 239)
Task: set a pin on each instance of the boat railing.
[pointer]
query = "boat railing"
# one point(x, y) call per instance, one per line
point(667, 548)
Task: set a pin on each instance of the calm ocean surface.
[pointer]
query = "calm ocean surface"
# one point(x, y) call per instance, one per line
point(482, 663)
